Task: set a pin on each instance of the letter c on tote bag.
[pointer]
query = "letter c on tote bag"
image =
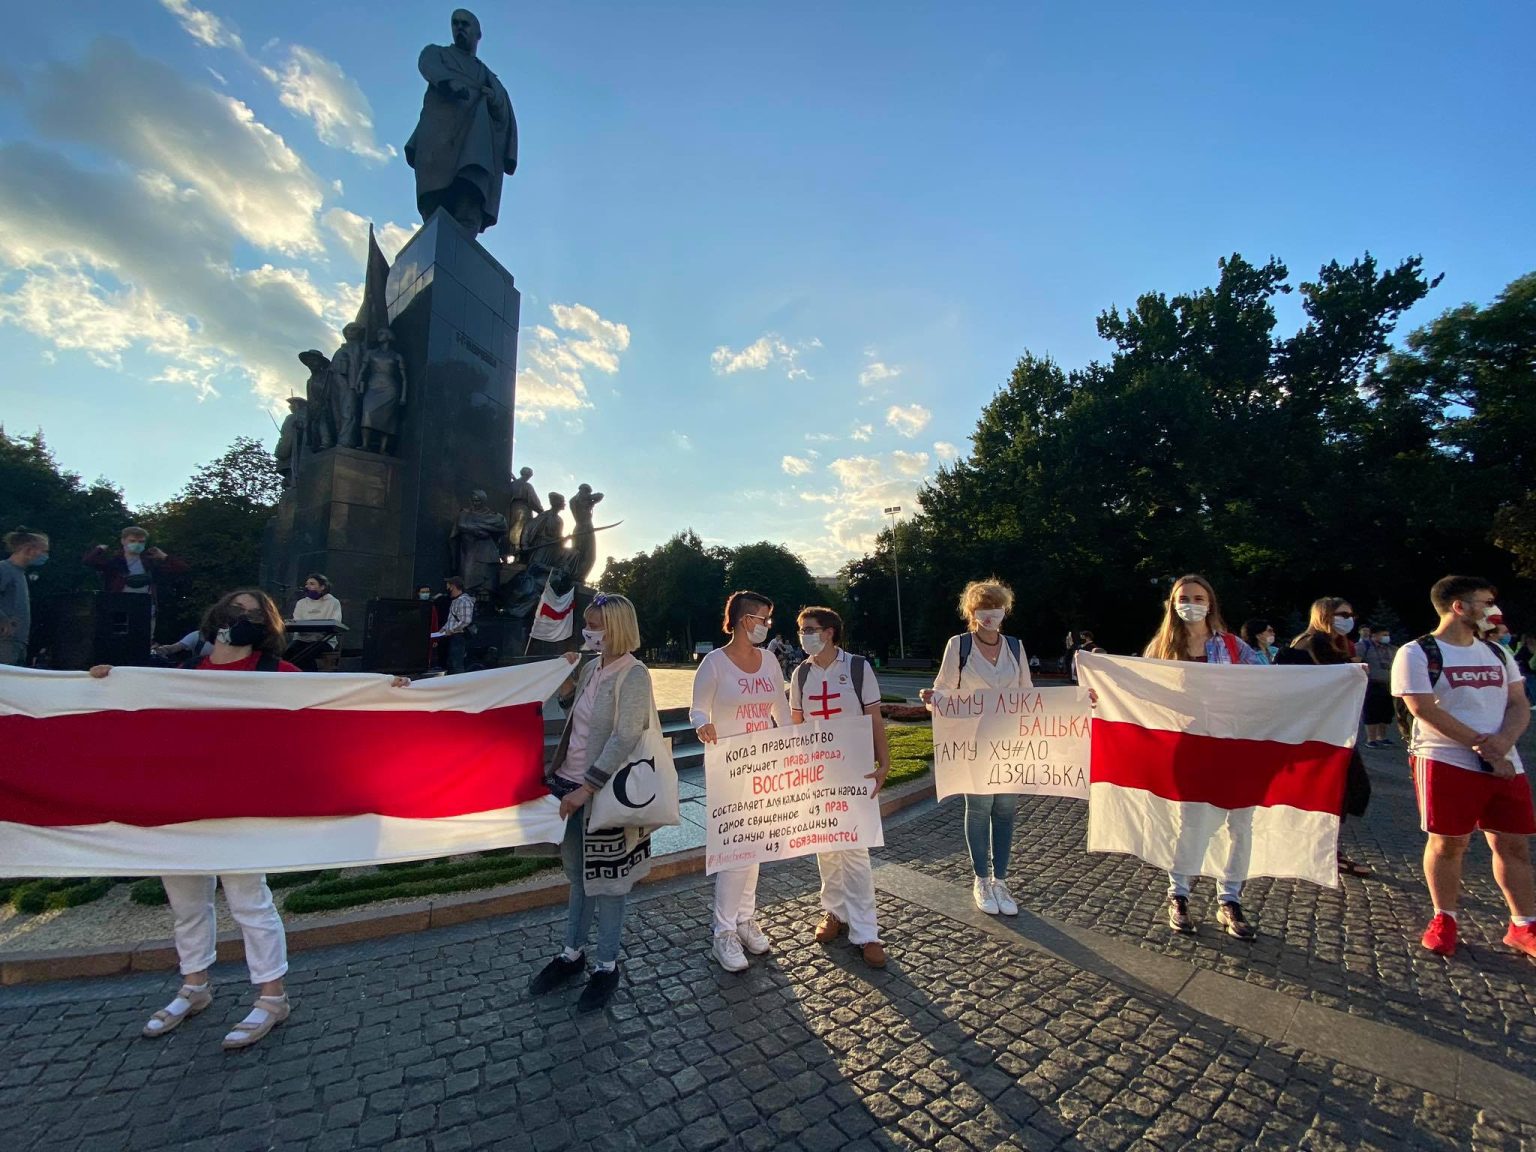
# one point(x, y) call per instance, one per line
point(642, 792)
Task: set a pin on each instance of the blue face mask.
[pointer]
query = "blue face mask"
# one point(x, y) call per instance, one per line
point(136, 548)
point(38, 561)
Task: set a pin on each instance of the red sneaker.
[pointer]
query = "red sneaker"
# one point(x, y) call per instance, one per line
point(1522, 938)
point(1440, 936)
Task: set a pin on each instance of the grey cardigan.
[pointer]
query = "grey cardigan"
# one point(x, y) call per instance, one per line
point(613, 741)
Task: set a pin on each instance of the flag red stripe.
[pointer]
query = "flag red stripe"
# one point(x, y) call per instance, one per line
point(1227, 773)
point(162, 766)
point(552, 612)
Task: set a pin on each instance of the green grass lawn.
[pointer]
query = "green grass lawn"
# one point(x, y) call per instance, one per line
point(911, 751)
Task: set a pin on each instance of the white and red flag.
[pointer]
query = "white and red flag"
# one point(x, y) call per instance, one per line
point(153, 771)
point(1230, 771)
point(553, 620)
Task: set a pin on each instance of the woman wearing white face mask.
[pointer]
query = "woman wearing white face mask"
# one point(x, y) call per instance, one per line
point(1193, 629)
point(738, 689)
point(981, 658)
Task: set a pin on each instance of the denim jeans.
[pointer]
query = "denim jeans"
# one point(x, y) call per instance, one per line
point(457, 644)
point(582, 909)
point(989, 825)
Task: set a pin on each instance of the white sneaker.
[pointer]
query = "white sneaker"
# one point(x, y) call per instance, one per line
point(1005, 903)
point(981, 892)
point(728, 952)
point(753, 938)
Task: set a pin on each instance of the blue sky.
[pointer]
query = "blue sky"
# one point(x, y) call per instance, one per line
point(774, 257)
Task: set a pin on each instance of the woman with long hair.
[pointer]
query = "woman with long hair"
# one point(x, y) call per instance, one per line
point(983, 658)
point(1193, 629)
point(738, 689)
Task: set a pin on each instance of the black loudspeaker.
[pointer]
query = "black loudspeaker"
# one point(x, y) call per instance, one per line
point(397, 636)
point(74, 630)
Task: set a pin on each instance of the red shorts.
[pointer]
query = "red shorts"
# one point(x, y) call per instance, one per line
point(1458, 801)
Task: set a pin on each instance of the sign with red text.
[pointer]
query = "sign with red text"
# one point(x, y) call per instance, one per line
point(790, 792)
point(1028, 740)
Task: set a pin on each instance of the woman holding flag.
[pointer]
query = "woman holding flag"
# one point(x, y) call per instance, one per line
point(739, 689)
point(1193, 629)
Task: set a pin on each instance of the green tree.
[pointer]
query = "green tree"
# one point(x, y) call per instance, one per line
point(677, 589)
point(776, 572)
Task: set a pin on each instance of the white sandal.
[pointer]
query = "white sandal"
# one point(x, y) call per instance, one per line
point(196, 997)
point(274, 1011)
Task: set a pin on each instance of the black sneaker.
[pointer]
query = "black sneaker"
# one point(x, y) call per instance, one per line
point(599, 990)
point(554, 974)
point(1230, 917)
point(1178, 915)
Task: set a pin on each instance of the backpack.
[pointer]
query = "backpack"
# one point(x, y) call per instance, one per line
point(1436, 662)
point(856, 664)
point(968, 641)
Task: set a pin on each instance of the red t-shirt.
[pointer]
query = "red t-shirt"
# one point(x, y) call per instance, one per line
point(246, 665)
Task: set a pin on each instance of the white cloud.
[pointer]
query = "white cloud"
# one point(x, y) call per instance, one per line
point(204, 27)
point(852, 511)
point(862, 432)
point(682, 442)
point(770, 349)
point(910, 463)
point(554, 363)
point(945, 451)
point(795, 465)
point(351, 230)
point(876, 371)
point(316, 88)
point(908, 420)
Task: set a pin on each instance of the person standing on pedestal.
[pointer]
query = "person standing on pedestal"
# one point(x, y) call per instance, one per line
point(345, 386)
point(461, 618)
point(135, 568)
point(466, 138)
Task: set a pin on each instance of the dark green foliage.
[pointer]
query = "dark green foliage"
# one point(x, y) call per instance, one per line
point(427, 878)
point(149, 892)
point(677, 588)
point(34, 896)
point(277, 881)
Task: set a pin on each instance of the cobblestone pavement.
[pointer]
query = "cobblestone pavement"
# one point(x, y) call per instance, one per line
point(428, 1043)
point(1355, 948)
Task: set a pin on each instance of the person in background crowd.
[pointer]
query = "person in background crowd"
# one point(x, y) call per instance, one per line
point(461, 617)
point(434, 623)
point(613, 705)
point(133, 567)
point(982, 658)
point(1525, 657)
point(1467, 774)
point(1075, 644)
point(316, 604)
point(1379, 654)
point(1260, 636)
point(192, 644)
point(1192, 629)
point(246, 631)
point(831, 683)
point(1326, 642)
point(25, 550)
point(737, 689)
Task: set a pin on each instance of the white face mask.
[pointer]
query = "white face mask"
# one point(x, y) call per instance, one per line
point(1192, 613)
point(991, 618)
point(1342, 624)
point(592, 641)
point(812, 642)
point(758, 633)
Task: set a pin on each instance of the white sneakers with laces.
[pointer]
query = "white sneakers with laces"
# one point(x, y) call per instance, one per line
point(752, 937)
point(1004, 899)
point(981, 892)
point(728, 952)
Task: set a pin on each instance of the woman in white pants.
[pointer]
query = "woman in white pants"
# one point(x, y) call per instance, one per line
point(246, 631)
point(739, 689)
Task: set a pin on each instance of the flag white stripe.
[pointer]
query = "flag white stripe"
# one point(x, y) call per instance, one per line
point(42, 694)
point(268, 844)
point(1248, 702)
point(1202, 840)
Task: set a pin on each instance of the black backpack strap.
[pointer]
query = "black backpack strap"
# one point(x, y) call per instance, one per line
point(966, 640)
point(856, 666)
point(1433, 658)
point(1016, 646)
point(801, 674)
point(266, 662)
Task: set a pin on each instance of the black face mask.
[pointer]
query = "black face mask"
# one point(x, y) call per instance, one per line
point(245, 632)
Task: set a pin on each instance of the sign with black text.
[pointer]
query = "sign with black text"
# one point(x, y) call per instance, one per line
point(789, 792)
point(1026, 740)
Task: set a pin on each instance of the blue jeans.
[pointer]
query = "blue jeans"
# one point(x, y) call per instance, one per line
point(457, 644)
point(582, 909)
point(1227, 891)
point(989, 825)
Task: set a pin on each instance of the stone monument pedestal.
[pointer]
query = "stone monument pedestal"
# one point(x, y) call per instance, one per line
point(377, 525)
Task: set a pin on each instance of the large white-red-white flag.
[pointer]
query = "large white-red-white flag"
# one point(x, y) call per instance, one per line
point(152, 771)
point(554, 618)
point(1221, 770)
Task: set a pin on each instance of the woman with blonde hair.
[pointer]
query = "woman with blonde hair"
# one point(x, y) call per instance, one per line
point(981, 657)
point(1193, 629)
point(613, 705)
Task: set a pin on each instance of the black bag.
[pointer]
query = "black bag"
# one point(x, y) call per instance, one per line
point(1357, 785)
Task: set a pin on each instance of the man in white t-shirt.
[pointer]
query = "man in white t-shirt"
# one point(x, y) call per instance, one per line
point(1466, 772)
point(830, 685)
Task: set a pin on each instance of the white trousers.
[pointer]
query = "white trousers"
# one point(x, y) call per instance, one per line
point(735, 897)
point(848, 892)
point(250, 902)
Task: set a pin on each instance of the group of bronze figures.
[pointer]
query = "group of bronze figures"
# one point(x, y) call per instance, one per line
point(354, 399)
point(483, 538)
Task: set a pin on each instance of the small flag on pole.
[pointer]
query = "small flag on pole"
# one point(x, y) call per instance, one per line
point(553, 619)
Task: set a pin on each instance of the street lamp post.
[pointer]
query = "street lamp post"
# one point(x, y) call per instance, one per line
point(901, 636)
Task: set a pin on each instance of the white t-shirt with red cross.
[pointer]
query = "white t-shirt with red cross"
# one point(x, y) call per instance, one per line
point(828, 692)
point(1473, 687)
point(735, 701)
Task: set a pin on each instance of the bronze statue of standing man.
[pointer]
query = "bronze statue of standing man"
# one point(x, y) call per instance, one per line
point(466, 139)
